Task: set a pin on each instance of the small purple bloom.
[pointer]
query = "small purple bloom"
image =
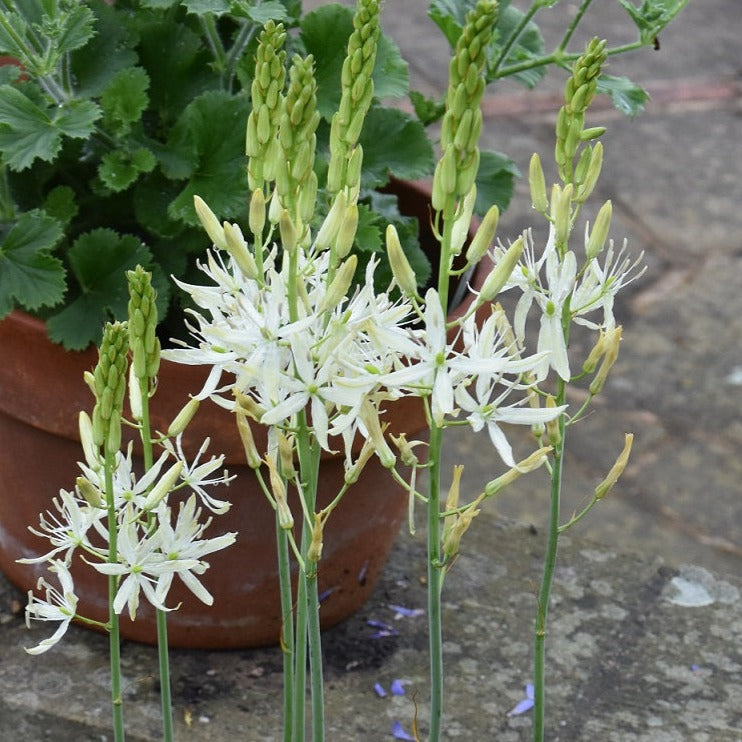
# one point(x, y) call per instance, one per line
point(397, 687)
point(325, 594)
point(694, 667)
point(401, 611)
point(384, 629)
point(525, 705)
point(399, 733)
point(379, 690)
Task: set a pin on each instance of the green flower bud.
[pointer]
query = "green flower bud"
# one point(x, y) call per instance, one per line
point(347, 232)
point(237, 248)
point(92, 495)
point(183, 418)
point(484, 235)
point(501, 273)
point(163, 486)
point(592, 133)
point(537, 184)
point(460, 229)
point(331, 224)
point(256, 218)
point(338, 289)
point(616, 470)
point(612, 342)
point(561, 213)
point(401, 268)
point(599, 232)
point(287, 231)
point(593, 173)
point(210, 223)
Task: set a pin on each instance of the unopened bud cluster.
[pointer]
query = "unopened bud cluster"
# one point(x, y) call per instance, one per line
point(357, 93)
point(296, 181)
point(579, 91)
point(143, 340)
point(109, 386)
point(266, 94)
point(462, 124)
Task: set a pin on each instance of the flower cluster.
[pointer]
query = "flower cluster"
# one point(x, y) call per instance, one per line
point(126, 526)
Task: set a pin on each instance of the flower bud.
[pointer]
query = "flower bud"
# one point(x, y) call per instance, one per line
point(90, 492)
point(165, 483)
point(135, 395)
point(90, 449)
point(331, 224)
point(483, 237)
point(461, 224)
point(370, 416)
point(616, 470)
point(354, 469)
point(529, 464)
point(501, 273)
point(593, 132)
point(338, 289)
point(401, 268)
point(183, 418)
point(288, 232)
point(561, 213)
point(347, 232)
point(552, 426)
point(210, 223)
point(597, 352)
point(599, 232)
point(256, 218)
point(237, 248)
point(592, 174)
point(537, 184)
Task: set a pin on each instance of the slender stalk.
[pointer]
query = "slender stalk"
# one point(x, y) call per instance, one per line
point(513, 38)
point(287, 628)
point(542, 609)
point(435, 585)
point(241, 42)
point(299, 673)
point(316, 677)
point(573, 24)
point(164, 666)
point(114, 639)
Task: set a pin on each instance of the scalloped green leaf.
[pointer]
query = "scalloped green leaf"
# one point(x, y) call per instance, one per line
point(99, 261)
point(324, 33)
point(77, 28)
point(627, 96)
point(394, 142)
point(119, 169)
point(125, 98)
point(29, 275)
point(495, 181)
point(212, 130)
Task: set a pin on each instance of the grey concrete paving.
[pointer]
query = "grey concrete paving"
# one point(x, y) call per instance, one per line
point(643, 646)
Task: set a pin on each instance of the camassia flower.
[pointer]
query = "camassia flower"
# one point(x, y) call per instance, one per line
point(59, 605)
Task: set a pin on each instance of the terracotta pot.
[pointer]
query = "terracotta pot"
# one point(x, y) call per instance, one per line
point(41, 393)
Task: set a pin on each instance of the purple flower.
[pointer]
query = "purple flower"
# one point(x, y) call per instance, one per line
point(384, 629)
point(398, 687)
point(401, 611)
point(526, 704)
point(399, 733)
point(379, 690)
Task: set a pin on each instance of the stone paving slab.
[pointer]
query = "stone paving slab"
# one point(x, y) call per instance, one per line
point(638, 651)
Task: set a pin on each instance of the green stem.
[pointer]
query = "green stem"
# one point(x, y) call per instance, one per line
point(300, 660)
point(539, 678)
point(316, 676)
point(241, 42)
point(7, 207)
point(287, 628)
point(114, 639)
point(164, 665)
point(435, 585)
point(513, 38)
point(166, 703)
point(211, 34)
point(573, 25)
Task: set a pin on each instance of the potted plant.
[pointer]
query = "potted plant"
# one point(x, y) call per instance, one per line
point(118, 149)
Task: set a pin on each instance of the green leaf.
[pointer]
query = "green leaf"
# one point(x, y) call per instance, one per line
point(60, 204)
point(627, 97)
point(29, 275)
point(428, 110)
point(270, 10)
point(99, 261)
point(77, 118)
point(212, 128)
point(158, 4)
point(105, 54)
point(528, 47)
point(495, 181)
point(77, 28)
point(202, 7)
point(652, 16)
point(16, 29)
point(394, 142)
point(324, 33)
point(152, 195)
point(28, 132)
point(119, 169)
point(125, 98)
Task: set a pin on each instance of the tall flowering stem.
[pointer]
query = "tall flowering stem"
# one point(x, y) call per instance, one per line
point(145, 363)
point(109, 386)
point(453, 182)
